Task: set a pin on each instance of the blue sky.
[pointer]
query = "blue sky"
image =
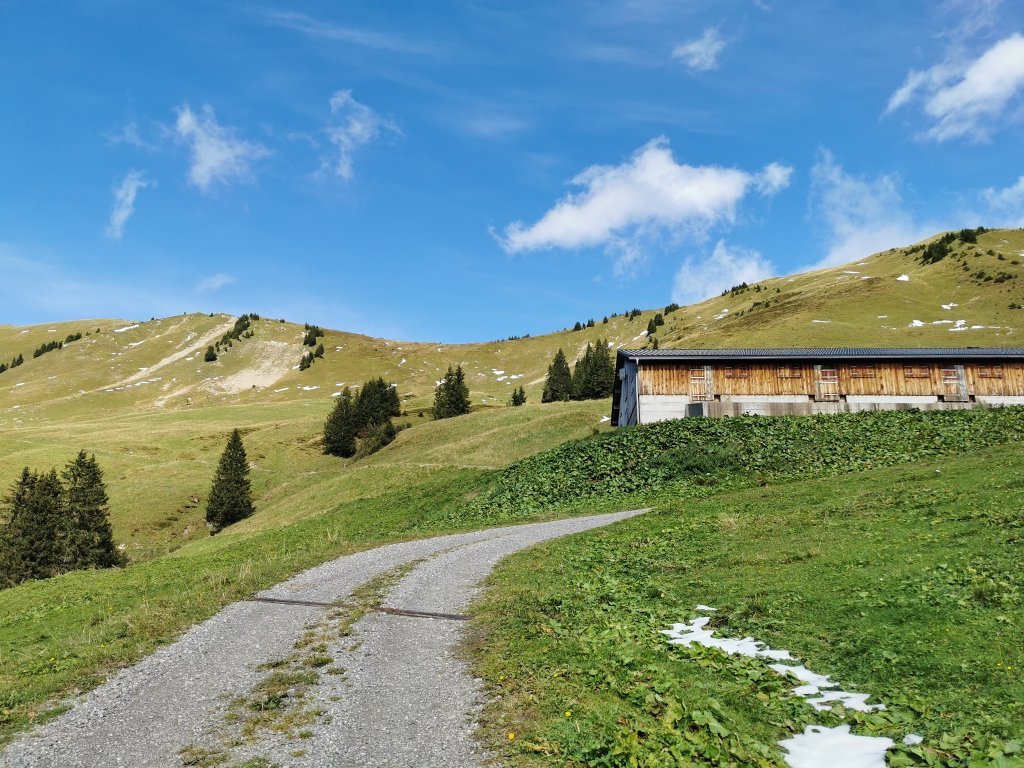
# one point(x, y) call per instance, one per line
point(467, 171)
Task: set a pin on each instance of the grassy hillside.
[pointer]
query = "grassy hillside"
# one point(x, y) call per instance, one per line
point(964, 299)
point(901, 582)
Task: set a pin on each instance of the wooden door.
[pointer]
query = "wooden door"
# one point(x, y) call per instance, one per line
point(954, 384)
point(826, 383)
point(700, 382)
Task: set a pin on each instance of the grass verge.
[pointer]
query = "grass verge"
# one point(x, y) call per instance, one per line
point(904, 582)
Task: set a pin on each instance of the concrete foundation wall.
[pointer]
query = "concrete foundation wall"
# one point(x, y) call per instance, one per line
point(654, 408)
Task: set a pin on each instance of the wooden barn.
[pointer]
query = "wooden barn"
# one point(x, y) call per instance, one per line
point(658, 384)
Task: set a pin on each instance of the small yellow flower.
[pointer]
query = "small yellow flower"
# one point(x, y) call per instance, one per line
point(501, 678)
point(568, 713)
point(511, 736)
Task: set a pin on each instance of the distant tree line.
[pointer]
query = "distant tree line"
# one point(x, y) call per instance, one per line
point(592, 377)
point(361, 423)
point(41, 350)
point(313, 332)
point(54, 524)
point(242, 329)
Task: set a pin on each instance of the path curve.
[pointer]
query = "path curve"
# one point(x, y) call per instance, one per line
point(406, 698)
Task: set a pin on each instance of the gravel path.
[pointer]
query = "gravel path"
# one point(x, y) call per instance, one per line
point(405, 700)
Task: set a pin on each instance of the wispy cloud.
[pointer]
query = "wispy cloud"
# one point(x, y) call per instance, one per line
point(860, 216)
point(354, 125)
point(627, 207)
point(218, 156)
point(213, 283)
point(702, 278)
point(701, 54)
point(124, 202)
point(131, 135)
point(312, 27)
point(1004, 207)
point(964, 97)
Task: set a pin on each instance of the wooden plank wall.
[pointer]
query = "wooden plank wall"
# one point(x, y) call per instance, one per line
point(882, 378)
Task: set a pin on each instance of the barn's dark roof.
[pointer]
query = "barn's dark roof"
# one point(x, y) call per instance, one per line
point(827, 353)
point(951, 354)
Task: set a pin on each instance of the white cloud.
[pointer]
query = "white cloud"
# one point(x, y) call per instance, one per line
point(647, 196)
point(356, 125)
point(701, 54)
point(861, 216)
point(1005, 206)
point(218, 157)
point(124, 202)
point(965, 98)
point(214, 283)
point(699, 279)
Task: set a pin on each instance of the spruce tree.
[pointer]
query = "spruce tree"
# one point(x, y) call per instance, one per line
point(231, 495)
point(376, 403)
point(451, 397)
point(340, 428)
point(559, 382)
point(518, 397)
point(90, 541)
point(652, 327)
point(35, 534)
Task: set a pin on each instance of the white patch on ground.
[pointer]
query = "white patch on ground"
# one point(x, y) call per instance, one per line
point(694, 632)
point(282, 389)
point(51, 330)
point(191, 349)
point(949, 306)
point(611, 344)
point(720, 315)
point(137, 343)
point(821, 321)
point(821, 687)
point(273, 360)
point(835, 747)
point(705, 608)
point(912, 739)
point(126, 328)
point(496, 372)
point(866, 277)
point(916, 324)
point(850, 272)
point(959, 325)
point(605, 418)
point(819, 690)
point(903, 279)
point(640, 336)
point(23, 332)
point(402, 361)
point(942, 322)
point(309, 389)
point(335, 394)
point(883, 317)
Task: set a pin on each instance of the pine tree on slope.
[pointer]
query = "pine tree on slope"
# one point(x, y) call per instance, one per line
point(35, 535)
point(340, 428)
point(90, 538)
point(559, 382)
point(231, 496)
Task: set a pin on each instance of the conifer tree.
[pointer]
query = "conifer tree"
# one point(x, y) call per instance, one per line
point(376, 403)
point(518, 397)
point(319, 352)
point(340, 428)
point(211, 355)
point(652, 327)
point(35, 535)
point(231, 495)
point(559, 382)
point(451, 397)
point(90, 541)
